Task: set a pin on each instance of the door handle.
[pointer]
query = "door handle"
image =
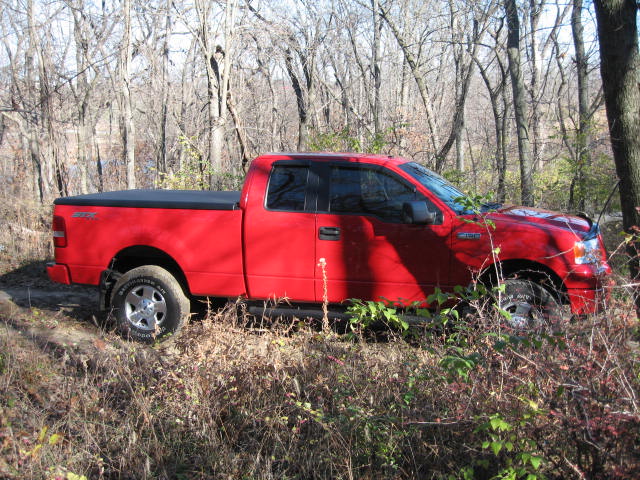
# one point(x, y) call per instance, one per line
point(329, 233)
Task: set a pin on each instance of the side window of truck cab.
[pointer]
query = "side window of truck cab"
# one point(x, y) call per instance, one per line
point(287, 190)
point(369, 190)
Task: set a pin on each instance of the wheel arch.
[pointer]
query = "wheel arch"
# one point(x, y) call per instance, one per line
point(140, 255)
point(525, 269)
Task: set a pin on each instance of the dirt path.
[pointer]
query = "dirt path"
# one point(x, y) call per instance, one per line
point(62, 319)
point(53, 299)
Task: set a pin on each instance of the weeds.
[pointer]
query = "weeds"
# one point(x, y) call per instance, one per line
point(227, 401)
point(25, 236)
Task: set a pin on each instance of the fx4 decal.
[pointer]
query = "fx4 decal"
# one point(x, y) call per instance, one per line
point(87, 215)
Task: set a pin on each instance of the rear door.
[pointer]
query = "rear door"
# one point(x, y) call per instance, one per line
point(279, 234)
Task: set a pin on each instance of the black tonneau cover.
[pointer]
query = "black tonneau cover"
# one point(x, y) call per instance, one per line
point(184, 199)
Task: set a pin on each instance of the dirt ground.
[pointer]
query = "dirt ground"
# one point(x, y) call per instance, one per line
point(62, 318)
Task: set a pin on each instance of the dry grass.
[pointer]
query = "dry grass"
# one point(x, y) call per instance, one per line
point(25, 234)
point(225, 401)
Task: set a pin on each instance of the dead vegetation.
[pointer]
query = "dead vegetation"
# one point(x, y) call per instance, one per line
point(227, 401)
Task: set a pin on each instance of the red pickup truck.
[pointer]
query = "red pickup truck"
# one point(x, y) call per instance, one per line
point(363, 226)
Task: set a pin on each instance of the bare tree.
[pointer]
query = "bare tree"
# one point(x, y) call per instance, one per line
point(463, 60)
point(499, 104)
point(418, 76)
point(583, 156)
point(90, 32)
point(519, 101)
point(162, 161)
point(32, 124)
point(127, 128)
point(217, 60)
point(375, 66)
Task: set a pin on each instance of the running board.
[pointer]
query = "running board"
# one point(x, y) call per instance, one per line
point(290, 312)
point(296, 312)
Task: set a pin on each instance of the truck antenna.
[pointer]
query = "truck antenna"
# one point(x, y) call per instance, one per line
point(606, 204)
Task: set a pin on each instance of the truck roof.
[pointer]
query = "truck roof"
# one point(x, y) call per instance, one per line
point(331, 156)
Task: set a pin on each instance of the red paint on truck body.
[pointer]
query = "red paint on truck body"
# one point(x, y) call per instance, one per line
point(264, 250)
point(206, 244)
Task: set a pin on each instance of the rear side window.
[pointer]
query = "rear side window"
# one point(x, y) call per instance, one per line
point(287, 187)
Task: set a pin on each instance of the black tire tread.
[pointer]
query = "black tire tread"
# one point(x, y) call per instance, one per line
point(543, 297)
point(174, 290)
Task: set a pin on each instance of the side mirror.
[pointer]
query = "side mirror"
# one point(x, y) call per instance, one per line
point(417, 213)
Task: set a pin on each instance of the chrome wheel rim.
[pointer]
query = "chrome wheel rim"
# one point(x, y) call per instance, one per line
point(523, 314)
point(145, 308)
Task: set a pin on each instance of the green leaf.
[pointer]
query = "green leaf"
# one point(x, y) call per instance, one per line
point(43, 432)
point(55, 438)
point(73, 476)
point(496, 447)
point(498, 423)
point(536, 461)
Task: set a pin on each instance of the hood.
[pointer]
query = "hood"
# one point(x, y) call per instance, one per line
point(581, 226)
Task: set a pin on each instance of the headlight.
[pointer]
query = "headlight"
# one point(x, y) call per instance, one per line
point(587, 252)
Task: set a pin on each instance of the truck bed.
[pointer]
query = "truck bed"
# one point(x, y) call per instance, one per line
point(170, 199)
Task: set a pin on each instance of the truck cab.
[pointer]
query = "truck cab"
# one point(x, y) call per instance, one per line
point(390, 228)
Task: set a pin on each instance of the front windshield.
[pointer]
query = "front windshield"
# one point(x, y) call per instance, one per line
point(437, 185)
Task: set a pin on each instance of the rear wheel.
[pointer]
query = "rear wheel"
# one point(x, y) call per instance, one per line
point(149, 304)
point(531, 306)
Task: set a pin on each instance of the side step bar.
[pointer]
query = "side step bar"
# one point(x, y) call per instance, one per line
point(316, 314)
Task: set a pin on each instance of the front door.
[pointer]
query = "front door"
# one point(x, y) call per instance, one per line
point(368, 252)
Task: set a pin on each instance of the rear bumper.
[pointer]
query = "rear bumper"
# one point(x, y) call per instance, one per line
point(58, 273)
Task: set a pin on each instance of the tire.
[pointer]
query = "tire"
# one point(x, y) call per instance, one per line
point(149, 304)
point(531, 306)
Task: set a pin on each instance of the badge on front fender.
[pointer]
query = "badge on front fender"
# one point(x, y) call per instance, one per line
point(469, 236)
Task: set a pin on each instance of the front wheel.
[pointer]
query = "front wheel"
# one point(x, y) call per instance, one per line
point(149, 304)
point(530, 306)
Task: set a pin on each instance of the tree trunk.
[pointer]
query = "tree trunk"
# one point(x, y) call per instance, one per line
point(519, 102)
point(33, 138)
point(535, 11)
point(499, 108)
point(419, 79)
point(82, 94)
point(162, 163)
point(245, 155)
point(583, 157)
point(303, 116)
point(126, 115)
point(620, 71)
point(377, 80)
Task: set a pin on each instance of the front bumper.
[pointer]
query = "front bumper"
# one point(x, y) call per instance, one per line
point(59, 273)
point(585, 301)
point(589, 288)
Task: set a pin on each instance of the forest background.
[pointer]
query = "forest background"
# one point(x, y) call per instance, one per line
point(102, 96)
point(504, 98)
